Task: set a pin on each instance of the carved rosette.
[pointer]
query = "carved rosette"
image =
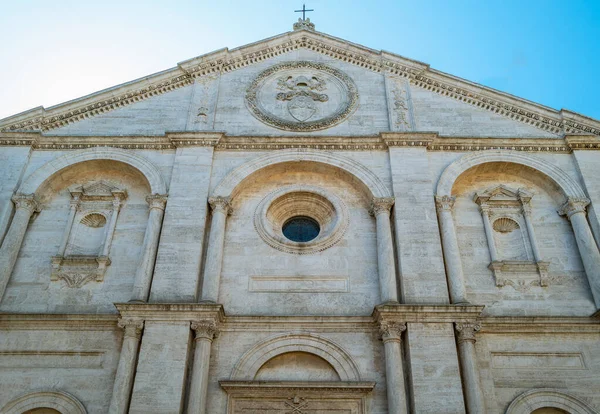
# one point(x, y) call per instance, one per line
point(205, 329)
point(133, 327)
point(220, 204)
point(381, 205)
point(444, 203)
point(574, 206)
point(26, 202)
point(467, 331)
point(391, 331)
point(158, 201)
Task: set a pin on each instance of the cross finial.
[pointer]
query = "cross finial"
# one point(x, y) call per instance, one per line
point(303, 11)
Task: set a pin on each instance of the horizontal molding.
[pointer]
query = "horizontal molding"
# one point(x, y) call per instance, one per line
point(57, 322)
point(431, 141)
point(178, 312)
point(51, 359)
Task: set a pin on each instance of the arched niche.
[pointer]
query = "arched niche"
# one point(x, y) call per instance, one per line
point(535, 192)
point(326, 350)
point(143, 165)
point(296, 366)
point(365, 178)
point(94, 213)
point(51, 401)
point(568, 186)
point(533, 401)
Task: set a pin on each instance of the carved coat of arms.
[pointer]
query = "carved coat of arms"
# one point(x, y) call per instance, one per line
point(302, 94)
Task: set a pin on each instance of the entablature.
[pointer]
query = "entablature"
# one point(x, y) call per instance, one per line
point(431, 141)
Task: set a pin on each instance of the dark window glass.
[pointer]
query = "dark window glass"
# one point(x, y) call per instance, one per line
point(301, 229)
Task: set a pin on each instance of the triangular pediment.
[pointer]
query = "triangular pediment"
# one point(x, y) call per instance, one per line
point(501, 193)
point(96, 190)
point(498, 105)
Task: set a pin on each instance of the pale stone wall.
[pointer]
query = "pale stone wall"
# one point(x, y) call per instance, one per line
point(352, 260)
point(511, 364)
point(398, 306)
point(81, 362)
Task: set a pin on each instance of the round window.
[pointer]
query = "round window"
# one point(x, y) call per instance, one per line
point(301, 229)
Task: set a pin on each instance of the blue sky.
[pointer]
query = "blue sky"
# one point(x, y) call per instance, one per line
point(544, 51)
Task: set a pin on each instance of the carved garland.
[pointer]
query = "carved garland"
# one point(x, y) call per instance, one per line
point(337, 117)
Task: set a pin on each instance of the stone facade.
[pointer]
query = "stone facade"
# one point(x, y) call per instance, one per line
point(144, 268)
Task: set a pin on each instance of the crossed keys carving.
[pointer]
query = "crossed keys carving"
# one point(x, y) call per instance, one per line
point(297, 405)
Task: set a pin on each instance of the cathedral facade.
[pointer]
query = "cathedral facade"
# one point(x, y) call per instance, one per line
point(301, 225)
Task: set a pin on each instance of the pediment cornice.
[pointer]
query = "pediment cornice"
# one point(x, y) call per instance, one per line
point(431, 141)
point(226, 60)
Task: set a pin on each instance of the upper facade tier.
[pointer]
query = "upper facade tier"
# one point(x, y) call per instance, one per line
point(301, 83)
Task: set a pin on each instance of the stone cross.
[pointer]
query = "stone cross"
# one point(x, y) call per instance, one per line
point(303, 11)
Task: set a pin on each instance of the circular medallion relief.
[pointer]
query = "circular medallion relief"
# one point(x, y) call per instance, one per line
point(302, 96)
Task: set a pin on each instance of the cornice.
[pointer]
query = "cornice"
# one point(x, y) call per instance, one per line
point(288, 323)
point(431, 141)
point(427, 313)
point(226, 60)
point(539, 325)
point(66, 322)
point(295, 386)
point(171, 312)
point(583, 142)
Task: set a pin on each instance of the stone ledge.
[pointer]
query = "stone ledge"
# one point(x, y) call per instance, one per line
point(431, 141)
point(427, 313)
point(171, 312)
point(355, 386)
point(69, 322)
point(539, 324)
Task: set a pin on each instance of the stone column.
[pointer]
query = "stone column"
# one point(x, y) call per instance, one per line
point(391, 335)
point(118, 196)
point(214, 255)
point(206, 330)
point(468, 364)
point(575, 210)
point(119, 403)
point(74, 205)
point(143, 274)
point(386, 265)
point(25, 205)
point(454, 270)
point(487, 225)
point(530, 231)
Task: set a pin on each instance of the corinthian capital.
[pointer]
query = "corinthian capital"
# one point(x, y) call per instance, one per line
point(574, 206)
point(206, 329)
point(26, 201)
point(444, 203)
point(467, 331)
point(221, 204)
point(391, 331)
point(381, 205)
point(133, 327)
point(157, 201)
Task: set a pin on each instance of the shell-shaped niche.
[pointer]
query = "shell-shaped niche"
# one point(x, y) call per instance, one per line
point(505, 225)
point(94, 220)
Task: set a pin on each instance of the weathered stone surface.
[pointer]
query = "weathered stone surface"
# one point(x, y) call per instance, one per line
point(472, 214)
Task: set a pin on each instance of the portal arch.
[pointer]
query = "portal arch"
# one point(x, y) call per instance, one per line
point(335, 355)
point(143, 165)
point(535, 399)
point(60, 401)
